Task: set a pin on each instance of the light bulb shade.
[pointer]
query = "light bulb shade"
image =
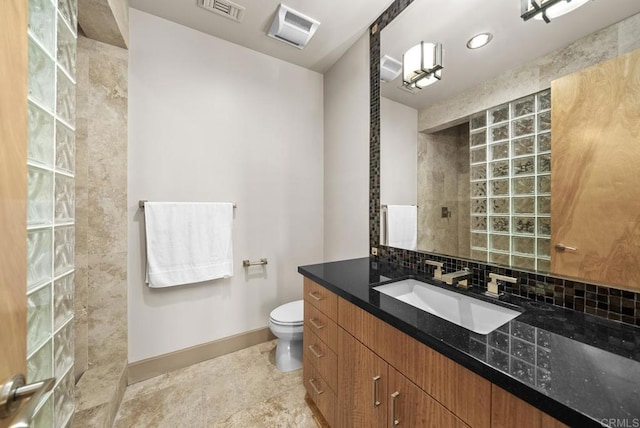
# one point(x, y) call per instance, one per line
point(421, 63)
point(548, 9)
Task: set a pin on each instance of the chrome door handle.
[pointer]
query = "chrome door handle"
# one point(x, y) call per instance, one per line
point(14, 391)
point(394, 397)
point(315, 296)
point(376, 402)
point(313, 322)
point(314, 352)
point(562, 247)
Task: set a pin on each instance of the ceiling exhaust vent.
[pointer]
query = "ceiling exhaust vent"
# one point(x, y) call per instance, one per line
point(292, 27)
point(224, 8)
point(390, 68)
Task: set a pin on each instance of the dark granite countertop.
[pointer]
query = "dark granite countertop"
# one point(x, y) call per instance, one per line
point(580, 369)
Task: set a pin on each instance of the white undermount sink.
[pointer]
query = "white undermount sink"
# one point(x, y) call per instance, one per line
point(473, 314)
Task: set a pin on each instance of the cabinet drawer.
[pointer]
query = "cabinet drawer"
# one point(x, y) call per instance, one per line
point(320, 393)
point(320, 324)
point(323, 359)
point(321, 298)
point(326, 402)
point(307, 373)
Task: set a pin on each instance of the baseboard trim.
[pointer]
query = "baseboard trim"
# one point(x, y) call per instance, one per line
point(156, 366)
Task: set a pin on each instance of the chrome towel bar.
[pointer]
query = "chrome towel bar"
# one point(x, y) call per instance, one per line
point(143, 201)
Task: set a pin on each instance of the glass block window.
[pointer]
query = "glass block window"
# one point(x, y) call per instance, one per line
point(511, 183)
point(52, 35)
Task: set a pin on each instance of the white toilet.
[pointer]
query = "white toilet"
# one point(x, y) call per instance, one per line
point(286, 323)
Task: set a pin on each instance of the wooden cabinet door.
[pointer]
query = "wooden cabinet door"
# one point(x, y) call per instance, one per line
point(595, 197)
point(412, 407)
point(508, 411)
point(362, 384)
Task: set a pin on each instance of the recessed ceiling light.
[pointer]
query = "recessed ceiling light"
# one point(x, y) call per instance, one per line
point(479, 40)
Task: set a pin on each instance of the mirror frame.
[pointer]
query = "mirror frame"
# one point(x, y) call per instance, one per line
point(374, 116)
point(571, 293)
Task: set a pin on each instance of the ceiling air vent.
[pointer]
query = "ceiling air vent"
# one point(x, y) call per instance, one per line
point(292, 28)
point(390, 68)
point(224, 8)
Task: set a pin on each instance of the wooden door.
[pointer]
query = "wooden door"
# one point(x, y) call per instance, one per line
point(13, 188)
point(412, 407)
point(362, 384)
point(595, 196)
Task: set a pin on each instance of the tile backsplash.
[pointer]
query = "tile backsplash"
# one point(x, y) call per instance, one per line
point(602, 301)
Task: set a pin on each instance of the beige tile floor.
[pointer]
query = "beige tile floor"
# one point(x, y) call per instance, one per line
point(243, 389)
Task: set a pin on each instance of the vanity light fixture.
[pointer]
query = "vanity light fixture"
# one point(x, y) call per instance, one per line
point(422, 65)
point(548, 9)
point(479, 40)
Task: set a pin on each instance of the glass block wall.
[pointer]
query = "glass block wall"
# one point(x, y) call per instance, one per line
point(511, 183)
point(51, 205)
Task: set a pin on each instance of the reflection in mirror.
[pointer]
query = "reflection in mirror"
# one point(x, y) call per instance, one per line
point(472, 152)
point(510, 183)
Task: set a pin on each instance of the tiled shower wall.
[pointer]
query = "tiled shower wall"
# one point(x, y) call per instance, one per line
point(51, 200)
point(443, 174)
point(101, 232)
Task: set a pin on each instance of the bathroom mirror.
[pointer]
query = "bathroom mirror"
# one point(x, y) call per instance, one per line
point(472, 151)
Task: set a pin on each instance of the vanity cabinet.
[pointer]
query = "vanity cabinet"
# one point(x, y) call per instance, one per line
point(362, 372)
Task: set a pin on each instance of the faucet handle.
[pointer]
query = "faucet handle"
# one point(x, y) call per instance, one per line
point(437, 272)
point(497, 277)
point(492, 286)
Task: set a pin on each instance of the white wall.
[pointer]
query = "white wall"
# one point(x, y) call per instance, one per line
point(213, 121)
point(398, 153)
point(346, 155)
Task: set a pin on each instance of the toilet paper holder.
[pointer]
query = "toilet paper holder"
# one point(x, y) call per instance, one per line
point(247, 263)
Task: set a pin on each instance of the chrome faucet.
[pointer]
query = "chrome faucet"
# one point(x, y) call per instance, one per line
point(459, 279)
point(437, 272)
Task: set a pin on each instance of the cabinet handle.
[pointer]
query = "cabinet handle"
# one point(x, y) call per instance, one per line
point(376, 403)
point(315, 296)
point(314, 352)
point(394, 397)
point(315, 388)
point(313, 322)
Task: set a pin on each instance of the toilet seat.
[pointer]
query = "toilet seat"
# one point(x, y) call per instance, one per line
point(289, 314)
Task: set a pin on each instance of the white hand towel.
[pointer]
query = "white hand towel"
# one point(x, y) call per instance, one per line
point(188, 242)
point(402, 226)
